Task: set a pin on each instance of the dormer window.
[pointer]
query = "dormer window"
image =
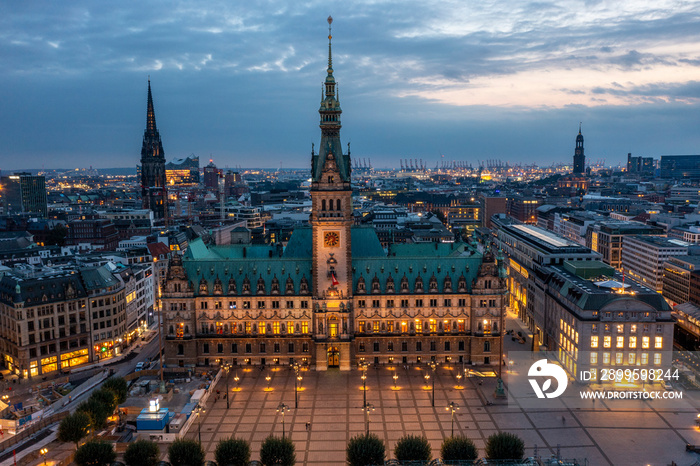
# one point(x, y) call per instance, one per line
point(361, 285)
point(418, 285)
point(289, 286)
point(375, 285)
point(404, 284)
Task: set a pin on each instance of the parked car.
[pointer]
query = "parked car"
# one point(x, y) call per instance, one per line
point(140, 366)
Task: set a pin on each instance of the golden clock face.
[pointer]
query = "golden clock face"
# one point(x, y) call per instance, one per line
point(331, 239)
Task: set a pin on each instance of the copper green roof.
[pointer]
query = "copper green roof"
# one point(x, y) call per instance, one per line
point(234, 264)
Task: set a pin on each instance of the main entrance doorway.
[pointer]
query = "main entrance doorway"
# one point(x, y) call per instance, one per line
point(333, 357)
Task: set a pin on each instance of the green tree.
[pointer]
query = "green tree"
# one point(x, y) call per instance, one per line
point(97, 411)
point(458, 449)
point(232, 452)
point(106, 397)
point(277, 451)
point(95, 453)
point(365, 449)
point(184, 452)
point(505, 446)
point(74, 427)
point(413, 448)
point(142, 453)
point(119, 386)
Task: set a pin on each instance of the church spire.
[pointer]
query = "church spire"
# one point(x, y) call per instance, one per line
point(152, 164)
point(150, 113)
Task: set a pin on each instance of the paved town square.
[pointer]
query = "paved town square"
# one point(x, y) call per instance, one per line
point(331, 402)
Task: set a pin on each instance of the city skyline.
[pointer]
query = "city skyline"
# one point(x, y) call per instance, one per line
point(427, 81)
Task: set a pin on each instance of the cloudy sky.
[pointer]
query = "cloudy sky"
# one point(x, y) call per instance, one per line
point(240, 81)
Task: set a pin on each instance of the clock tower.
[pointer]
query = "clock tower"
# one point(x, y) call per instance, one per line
point(331, 219)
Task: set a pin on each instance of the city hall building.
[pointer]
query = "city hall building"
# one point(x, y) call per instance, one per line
point(333, 297)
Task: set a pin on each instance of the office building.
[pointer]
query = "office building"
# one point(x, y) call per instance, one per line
point(677, 274)
point(640, 165)
point(23, 193)
point(643, 258)
point(606, 238)
point(579, 307)
point(680, 167)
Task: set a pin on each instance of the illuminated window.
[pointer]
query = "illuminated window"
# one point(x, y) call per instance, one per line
point(620, 328)
point(594, 341)
point(633, 328)
point(375, 326)
point(657, 358)
point(631, 358)
point(419, 326)
point(633, 342)
point(261, 328)
point(606, 341)
point(606, 358)
point(576, 337)
point(620, 342)
point(290, 327)
point(247, 327)
point(618, 358)
point(404, 327)
point(361, 326)
point(645, 342)
point(645, 359)
point(305, 327)
point(659, 342)
point(433, 325)
point(276, 328)
point(594, 358)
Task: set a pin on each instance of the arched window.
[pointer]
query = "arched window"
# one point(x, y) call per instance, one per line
point(337, 204)
point(323, 204)
point(330, 204)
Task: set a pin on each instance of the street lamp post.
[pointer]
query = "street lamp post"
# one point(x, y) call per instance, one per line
point(452, 407)
point(297, 381)
point(227, 367)
point(363, 367)
point(433, 366)
point(200, 410)
point(282, 408)
point(43, 452)
point(268, 378)
point(367, 407)
point(395, 377)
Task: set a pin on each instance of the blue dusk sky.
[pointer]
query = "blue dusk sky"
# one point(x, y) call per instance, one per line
point(240, 81)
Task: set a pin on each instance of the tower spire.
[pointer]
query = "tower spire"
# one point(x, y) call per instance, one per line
point(150, 112)
point(330, 55)
point(329, 111)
